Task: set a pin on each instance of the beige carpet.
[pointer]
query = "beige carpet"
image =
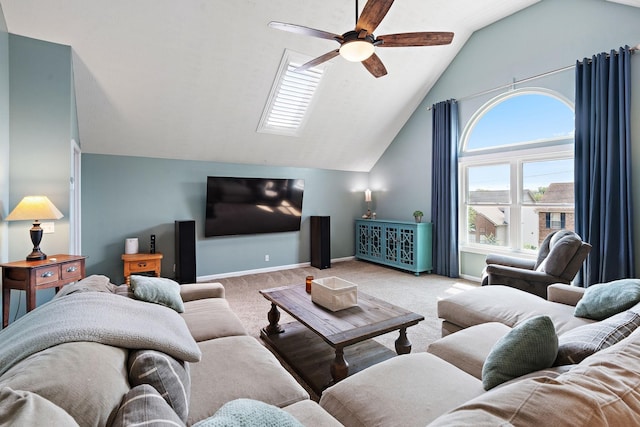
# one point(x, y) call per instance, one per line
point(416, 293)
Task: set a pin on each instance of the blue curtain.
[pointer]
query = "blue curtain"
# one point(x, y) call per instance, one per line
point(604, 208)
point(444, 190)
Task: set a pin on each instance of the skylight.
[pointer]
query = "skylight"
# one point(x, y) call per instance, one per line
point(291, 97)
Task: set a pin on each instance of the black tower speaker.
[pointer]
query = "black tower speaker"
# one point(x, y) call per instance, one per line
point(186, 251)
point(321, 242)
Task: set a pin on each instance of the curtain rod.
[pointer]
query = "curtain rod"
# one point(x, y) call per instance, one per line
point(527, 79)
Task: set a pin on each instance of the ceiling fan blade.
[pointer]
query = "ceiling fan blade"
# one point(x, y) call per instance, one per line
point(372, 14)
point(415, 39)
point(375, 66)
point(319, 60)
point(305, 31)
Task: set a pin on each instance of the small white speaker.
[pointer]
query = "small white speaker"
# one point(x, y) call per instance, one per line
point(131, 246)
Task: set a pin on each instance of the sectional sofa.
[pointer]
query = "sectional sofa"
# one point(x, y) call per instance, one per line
point(150, 363)
point(595, 382)
point(97, 356)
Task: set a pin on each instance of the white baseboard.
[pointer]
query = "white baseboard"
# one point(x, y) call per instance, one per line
point(471, 278)
point(263, 270)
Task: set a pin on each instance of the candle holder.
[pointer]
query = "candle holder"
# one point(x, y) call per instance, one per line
point(308, 284)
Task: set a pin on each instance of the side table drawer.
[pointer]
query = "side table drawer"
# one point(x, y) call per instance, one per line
point(140, 266)
point(47, 274)
point(71, 270)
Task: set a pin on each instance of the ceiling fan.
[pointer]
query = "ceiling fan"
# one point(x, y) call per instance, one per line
point(359, 44)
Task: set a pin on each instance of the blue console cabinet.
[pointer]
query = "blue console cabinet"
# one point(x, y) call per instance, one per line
point(405, 245)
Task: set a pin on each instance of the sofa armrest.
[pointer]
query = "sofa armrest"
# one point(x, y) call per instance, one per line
point(510, 261)
point(195, 291)
point(564, 294)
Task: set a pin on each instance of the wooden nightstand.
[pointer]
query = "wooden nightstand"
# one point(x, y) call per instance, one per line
point(141, 263)
point(29, 276)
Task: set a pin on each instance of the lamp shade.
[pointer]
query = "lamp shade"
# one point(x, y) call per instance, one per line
point(34, 208)
point(367, 195)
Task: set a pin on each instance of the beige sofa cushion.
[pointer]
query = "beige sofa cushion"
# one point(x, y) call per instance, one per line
point(236, 367)
point(407, 390)
point(211, 318)
point(469, 348)
point(195, 291)
point(565, 294)
point(603, 390)
point(23, 408)
point(309, 413)
point(87, 380)
point(506, 305)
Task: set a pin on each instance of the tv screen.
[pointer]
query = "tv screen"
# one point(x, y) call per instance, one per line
point(252, 205)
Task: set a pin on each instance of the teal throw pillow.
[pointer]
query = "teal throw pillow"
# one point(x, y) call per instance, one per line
point(158, 290)
point(530, 346)
point(606, 299)
point(249, 413)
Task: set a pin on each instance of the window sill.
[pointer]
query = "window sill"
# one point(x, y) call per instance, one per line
point(485, 250)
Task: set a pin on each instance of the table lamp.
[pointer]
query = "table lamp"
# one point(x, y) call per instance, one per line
point(367, 198)
point(35, 208)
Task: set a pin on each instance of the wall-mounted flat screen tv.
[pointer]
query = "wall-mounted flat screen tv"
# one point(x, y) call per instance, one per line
point(252, 205)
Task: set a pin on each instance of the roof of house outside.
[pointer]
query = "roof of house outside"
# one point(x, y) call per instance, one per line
point(558, 192)
point(489, 196)
point(492, 213)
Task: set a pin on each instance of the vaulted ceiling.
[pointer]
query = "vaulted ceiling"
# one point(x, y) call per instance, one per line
point(189, 79)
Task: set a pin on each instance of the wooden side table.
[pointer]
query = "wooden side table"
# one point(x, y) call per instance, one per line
point(141, 263)
point(29, 276)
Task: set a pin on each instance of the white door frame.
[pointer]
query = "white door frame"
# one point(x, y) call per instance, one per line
point(75, 241)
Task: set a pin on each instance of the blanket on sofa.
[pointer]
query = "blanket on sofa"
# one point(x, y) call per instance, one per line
point(97, 317)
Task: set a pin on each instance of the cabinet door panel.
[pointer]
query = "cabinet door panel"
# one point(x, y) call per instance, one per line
point(391, 243)
point(407, 238)
point(375, 241)
point(362, 239)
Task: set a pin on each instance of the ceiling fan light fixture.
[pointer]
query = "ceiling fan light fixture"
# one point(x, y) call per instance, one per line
point(356, 50)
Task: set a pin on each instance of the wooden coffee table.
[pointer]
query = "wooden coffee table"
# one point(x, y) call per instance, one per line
point(315, 345)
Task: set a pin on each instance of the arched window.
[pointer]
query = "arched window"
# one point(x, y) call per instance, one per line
point(516, 166)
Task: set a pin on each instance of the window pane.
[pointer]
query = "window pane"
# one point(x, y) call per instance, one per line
point(488, 184)
point(549, 182)
point(520, 119)
point(488, 225)
point(548, 194)
point(531, 228)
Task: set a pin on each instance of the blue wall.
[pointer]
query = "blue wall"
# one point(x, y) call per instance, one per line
point(40, 121)
point(40, 133)
point(135, 197)
point(4, 138)
point(547, 36)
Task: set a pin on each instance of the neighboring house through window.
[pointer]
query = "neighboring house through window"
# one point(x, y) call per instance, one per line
point(516, 170)
point(559, 213)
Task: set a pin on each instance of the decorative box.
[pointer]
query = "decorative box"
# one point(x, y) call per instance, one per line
point(334, 293)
